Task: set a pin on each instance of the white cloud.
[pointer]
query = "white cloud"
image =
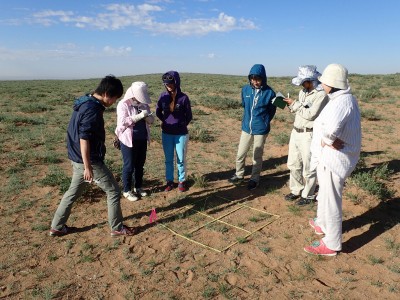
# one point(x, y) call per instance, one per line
point(118, 16)
point(211, 55)
point(50, 17)
point(223, 23)
point(121, 51)
point(61, 52)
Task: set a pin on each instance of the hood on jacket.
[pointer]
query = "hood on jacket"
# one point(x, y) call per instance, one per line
point(258, 70)
point(177, 78)
point(79, 101)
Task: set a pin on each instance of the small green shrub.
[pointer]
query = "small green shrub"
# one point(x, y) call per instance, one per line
point(282, 138)
point(294, 209)
point(35, 107)
point(370, 114)
point(375, 260)
point(220, 103)
point(200, 134)
point(371, 181)
point(242, 240)
point(56, 177)
point(265, 249)
point(40, 227)
point(209, 292)
point(155, 134)
point(370, 93)
point(354, 198)
point(281, 118)
point(22, 120)
point(198, 180)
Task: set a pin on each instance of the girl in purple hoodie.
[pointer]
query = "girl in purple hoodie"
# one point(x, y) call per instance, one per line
point(174, 111)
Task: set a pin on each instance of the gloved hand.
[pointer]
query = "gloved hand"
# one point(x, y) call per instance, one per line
point(138, 117)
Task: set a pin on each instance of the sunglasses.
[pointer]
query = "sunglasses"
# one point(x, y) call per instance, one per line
point(168, 78)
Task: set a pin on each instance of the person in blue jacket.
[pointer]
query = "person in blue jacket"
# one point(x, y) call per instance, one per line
point(258, 113)
point(86, 150)
point(175, 113)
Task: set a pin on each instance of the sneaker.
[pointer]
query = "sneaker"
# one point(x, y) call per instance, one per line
point(251, 185)
point(141, 192)
point(291, 197)
point(182, 186)
point(235, 179)
point(131, 197)
point(305, 201)
point(65, 230)
point(316, 228)
point(169, 186)
point(124, 231)
point(319, 248)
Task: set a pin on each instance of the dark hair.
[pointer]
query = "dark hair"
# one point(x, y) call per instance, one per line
point(334, 90)
point(111, 86)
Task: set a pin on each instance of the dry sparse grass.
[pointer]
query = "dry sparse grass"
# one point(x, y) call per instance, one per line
point(156, 264)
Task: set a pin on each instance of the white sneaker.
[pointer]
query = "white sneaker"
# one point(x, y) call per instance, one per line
point(140, 191)
point(129, 196)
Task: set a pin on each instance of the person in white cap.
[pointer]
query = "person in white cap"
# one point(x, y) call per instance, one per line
point(312, 99)
point(133, 132)
point(335, 150)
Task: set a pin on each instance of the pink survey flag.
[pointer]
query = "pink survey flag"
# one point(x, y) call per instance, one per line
point(153, 216)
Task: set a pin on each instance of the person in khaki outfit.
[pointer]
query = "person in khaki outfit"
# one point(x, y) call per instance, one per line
point(312, 99)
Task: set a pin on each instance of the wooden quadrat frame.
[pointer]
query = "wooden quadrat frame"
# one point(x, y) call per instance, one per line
point(218, 220)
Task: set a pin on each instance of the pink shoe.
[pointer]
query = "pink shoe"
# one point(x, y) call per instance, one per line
point(182, 186)
point(317, 229)
point(319, 248)
point(169, 186)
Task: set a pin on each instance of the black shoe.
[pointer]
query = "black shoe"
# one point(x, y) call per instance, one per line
point(251, 185)
point(291, 197)
point(235, 179)
point(305, 201)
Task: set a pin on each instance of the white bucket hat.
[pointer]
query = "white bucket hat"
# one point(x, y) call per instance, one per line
point(138, 90)
point(335, 75)
point(306, 73)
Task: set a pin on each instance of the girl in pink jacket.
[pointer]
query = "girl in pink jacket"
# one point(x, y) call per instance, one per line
point(133, 132)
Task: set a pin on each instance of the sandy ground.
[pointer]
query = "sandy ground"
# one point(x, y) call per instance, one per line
point(214, 242)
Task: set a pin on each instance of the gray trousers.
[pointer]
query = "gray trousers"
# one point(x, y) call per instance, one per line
point(258, 142)
point(105, 180)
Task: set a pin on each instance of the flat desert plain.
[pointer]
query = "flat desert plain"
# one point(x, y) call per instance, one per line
point(215, 241)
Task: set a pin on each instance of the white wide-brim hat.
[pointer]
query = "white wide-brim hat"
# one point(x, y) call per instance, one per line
point(138, 90)
point(336, 76)
point(306, 73)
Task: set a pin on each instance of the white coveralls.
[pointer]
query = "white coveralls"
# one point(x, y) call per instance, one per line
point(340, 119)
point(306, 109)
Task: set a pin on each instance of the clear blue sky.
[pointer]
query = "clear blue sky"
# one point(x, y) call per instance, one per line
point(57, 39)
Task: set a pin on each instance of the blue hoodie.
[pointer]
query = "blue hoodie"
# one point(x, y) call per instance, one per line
point(86, 123)
point(258, 109)
point(174, 122)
